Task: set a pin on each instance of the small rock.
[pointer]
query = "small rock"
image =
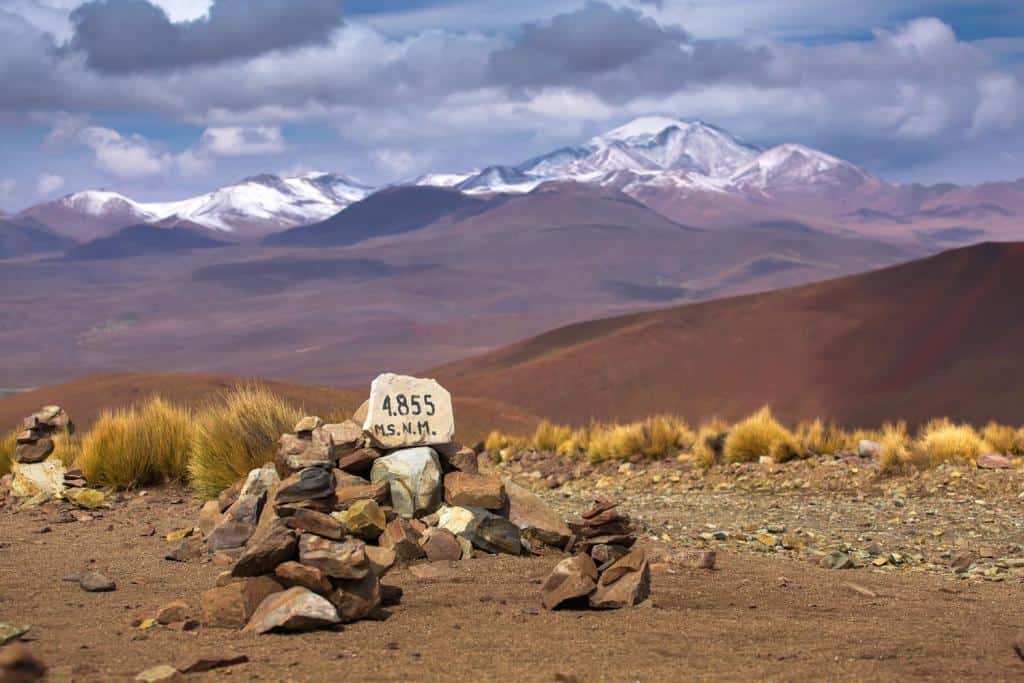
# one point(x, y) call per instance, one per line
point(573, 579)
point(293, 573)
point(9, 631)
point(90, 499)
point(296, 609)
point(179, 534)
point(860, 590)
point(173, 611)
point(868, 449)
point(359, 461)
point(187, 550)
point(535, 517)
point(271, 545)
point(474, 490)
point(837, 560)
point(18, 664)
point(232, 605)
point(706, 559)
point(356, 599)
point(381, 559)
point(162, 673)
point(306, 484)
point(440, 544)
point(209, 517)
point(624, 584)
point(319, 523)
point(33, 452)
point(307, 425)
point(208, 662)
point(401, 538)
point(363, 518)
point(337, 559)
point(433, 571)
point(94, 582)
point(414, 478)
point(994, 461)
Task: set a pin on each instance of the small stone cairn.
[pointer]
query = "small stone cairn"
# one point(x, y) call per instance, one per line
point(36, 476)
point(310, 536)
point(35, 442)
point(606, 572)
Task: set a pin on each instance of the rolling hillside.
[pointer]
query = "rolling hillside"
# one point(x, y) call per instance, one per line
point(938, 336)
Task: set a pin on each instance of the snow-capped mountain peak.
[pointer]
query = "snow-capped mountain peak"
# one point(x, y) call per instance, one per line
point(792, 166)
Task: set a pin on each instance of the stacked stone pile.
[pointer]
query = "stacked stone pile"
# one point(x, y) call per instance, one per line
point(35, 441)
point(606, 572)
point(311, 535)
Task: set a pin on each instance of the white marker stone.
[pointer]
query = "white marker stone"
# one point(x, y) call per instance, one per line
point(409, 411)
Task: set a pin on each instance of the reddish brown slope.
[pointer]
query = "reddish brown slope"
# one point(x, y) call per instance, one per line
point(943, 335)
point(85, 397)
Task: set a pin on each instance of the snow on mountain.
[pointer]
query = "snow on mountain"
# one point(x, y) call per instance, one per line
point(256, 205)
point(791, 167)
point(666, 153)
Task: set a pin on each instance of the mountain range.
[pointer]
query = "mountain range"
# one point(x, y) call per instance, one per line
point(690, 171)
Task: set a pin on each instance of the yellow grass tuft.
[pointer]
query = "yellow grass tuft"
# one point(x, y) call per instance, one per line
point(760, 434)
point(576, 443)
point(235, 434)
point(707, 447)
point(548, 436)
point(819, 438)
point(656, 437)
point(135, 447)
point(7, 446)
point(943, 441)
point(896, 453)
point(1003, 438)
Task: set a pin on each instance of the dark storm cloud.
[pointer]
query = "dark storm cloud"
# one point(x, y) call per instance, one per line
point(619, 53)
point(118, 36)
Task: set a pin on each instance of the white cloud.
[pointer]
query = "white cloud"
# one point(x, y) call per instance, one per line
point(127, 158)
point(236, 141)
point(396, 162)
point(48, 183)
point(7, 187)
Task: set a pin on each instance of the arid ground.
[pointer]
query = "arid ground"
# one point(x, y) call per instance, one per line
point(762, 614)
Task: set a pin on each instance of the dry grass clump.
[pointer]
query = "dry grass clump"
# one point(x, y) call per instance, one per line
point(577, 442)
point(758, 435)
point(656, 437)
point(7, 446)
point(818, 438)
point(943, 441)
point(548, 436)
point(502, 445)
point(709, 443)
point(1003, 438)
point(135, 447)
point(896, 453)
point(235, 434)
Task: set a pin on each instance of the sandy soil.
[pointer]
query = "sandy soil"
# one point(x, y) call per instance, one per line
point(756, 617)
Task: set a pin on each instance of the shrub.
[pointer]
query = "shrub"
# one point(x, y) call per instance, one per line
point(818, 438)
point(760, 434)
point(548, 436)
point(576, 443)
point(943, 441)
point(655, 437)
point(896, 454)
point(1004, 439)
point(708, 444)
point(235, 434)
point(7, 446)
point(135, 447)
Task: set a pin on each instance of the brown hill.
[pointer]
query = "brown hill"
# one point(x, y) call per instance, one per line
point(938, 336)
point(86, 397)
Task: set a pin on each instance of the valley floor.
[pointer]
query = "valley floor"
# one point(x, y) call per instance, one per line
point(758, 616)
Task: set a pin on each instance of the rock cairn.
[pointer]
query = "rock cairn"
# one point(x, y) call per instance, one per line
point(606, 572)
point(35, 441)
point(311, 535)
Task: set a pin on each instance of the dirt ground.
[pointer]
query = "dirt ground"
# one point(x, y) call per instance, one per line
point(763, 617)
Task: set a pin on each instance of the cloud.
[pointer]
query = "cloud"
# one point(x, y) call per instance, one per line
point(119, 36)
point(7, 188)
point(125, 157)
point(619, 53)
point(236, 141)
point(48, 183)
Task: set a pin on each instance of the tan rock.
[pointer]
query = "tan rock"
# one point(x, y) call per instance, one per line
point(405, 412)
point(319, 523)
point(573, 579)
point(345, 437)
point(359, 417)
point(400, 537)
point(381, 559)
point(535, 517)
point(34, 451)
point(162, 673)
point(295, 453)
point(356, 599)
point(359, 461)
point(307, 424)
point(624, 584)
point(474, 490)
point(440, 544)
point(363, 518)
point(293, 573)
point(271, 545)
point(337, 559)
point(18, 664)
point(296, 609)
point(232, 605)
point(348, 491)
point(209, 516)
point(463, 460)
point(172, 612)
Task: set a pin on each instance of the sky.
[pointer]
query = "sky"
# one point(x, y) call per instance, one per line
point(163, 99)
